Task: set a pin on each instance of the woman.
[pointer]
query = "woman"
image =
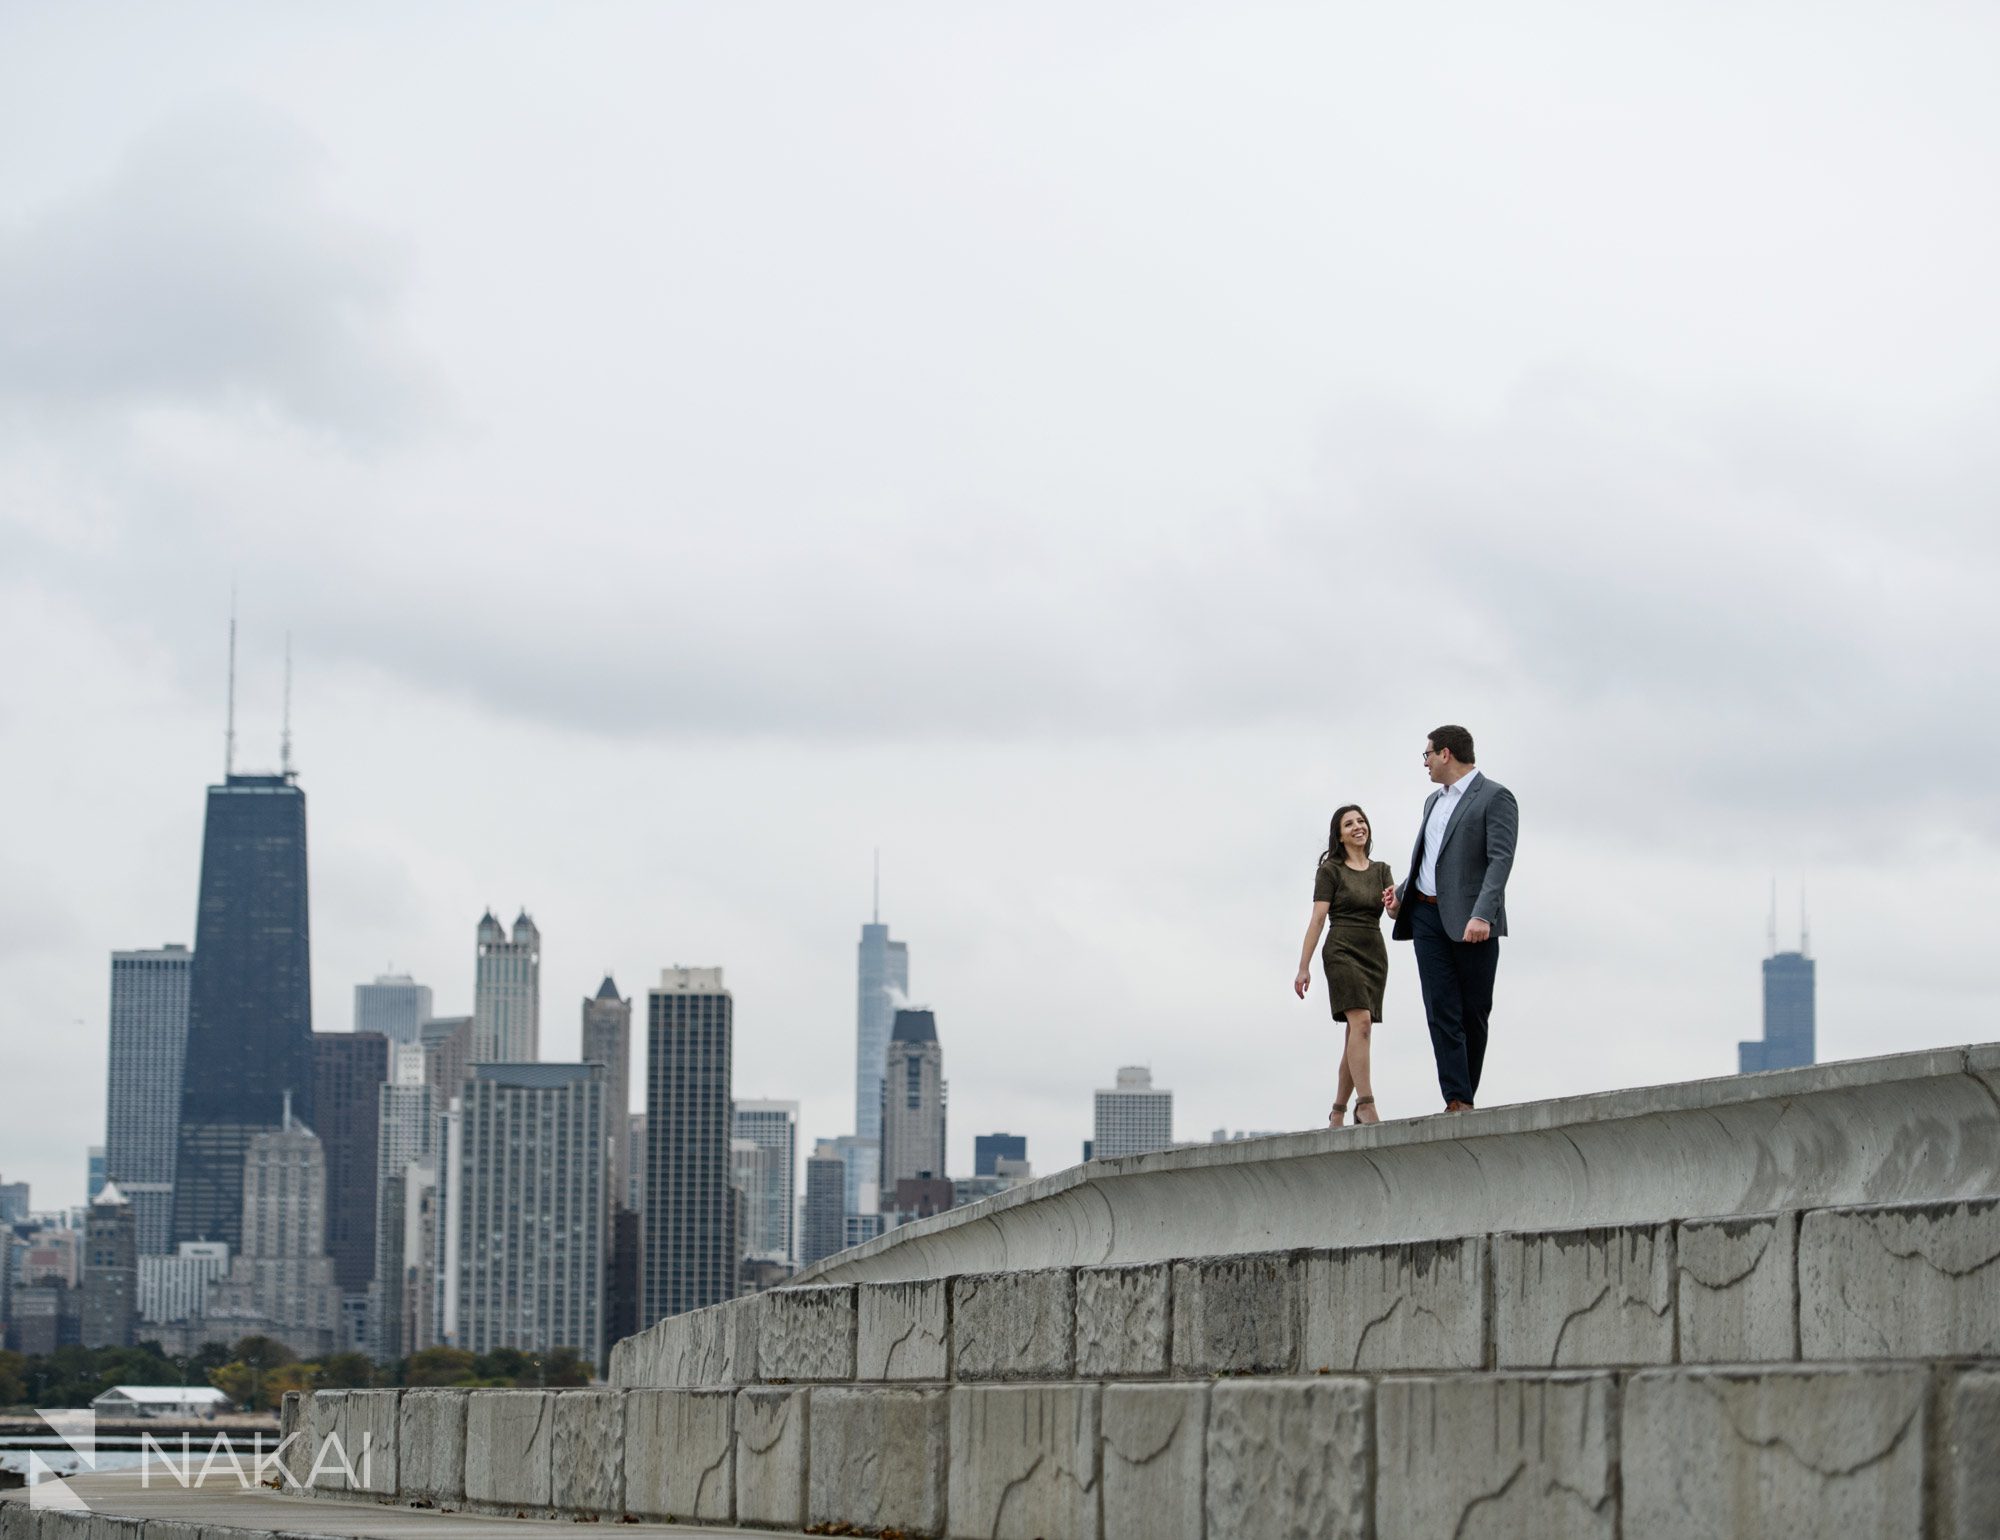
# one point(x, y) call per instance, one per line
point(1351, 891)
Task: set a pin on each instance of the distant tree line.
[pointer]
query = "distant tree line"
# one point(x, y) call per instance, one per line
point(256, 1372)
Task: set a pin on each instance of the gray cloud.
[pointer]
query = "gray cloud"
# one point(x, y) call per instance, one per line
point(206, 271)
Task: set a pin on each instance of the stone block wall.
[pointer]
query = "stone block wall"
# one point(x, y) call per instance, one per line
point(1876, 1448)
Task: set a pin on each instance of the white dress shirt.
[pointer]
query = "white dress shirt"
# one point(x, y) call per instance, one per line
point(1434, 827)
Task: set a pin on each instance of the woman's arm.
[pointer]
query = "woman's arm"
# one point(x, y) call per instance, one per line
point(1304, 980)
point(1389, 903)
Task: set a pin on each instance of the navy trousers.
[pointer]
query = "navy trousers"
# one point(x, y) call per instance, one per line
point(1458, 997)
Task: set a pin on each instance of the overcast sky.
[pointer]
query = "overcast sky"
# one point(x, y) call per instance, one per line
point(1070, 446)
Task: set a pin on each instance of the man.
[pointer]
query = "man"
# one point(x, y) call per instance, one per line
point(1453, 905)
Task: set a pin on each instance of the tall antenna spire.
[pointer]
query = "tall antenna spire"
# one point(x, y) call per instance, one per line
point(878, 885)
point(1774, 916)
point(229, 731)
point(285, 738)
point(1805, 928)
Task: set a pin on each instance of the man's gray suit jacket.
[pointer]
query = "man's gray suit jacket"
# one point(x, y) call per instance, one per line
point(1473, 861)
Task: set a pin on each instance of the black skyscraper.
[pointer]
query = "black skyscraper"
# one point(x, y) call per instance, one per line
point(249, 1039)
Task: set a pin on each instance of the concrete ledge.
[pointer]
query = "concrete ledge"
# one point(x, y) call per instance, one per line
point(1013, 1326)
point(509, 1444)
point(1236, 1315)
point(771, 1453)
point(877, 1458)
point(806, 1334)
point(1584, 1297)
point(1498, 1455)
point(903, 1330)
point(368, 1432)
point(1911, 1127)
point(1153, 1461)
point(1736, 1289)
point(1968, 1484)
point(1124, 1321)
point(1914, 1280)
point(1822, 1451)
point(1289, 1457)
point(587, 1460)
point(680, 1448)
point(430, 1446)
point(1424, 1305)
point(1024, 1461)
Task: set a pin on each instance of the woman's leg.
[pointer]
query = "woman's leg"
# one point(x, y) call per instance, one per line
point(1339, 1113)
point(1354, 1066)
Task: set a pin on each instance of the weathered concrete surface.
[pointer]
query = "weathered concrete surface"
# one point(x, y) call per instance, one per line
point(294, 1456)
point(1910, 1281)
point(368, 1432)
point(1775, 1451)
point(904, 1330)
point(1497, 1457)
point(1122, 1321)
point(509, 1440)
point(878, 1458)
point(1422, 1305)
point(1289, 1460)
point(806, 1334)
point(1584, 1297)
point(587, 1461)
point(771, 1451)
point(1735, 1285)
point(1013, 1326)
point(107, 1526)
point(1023, 1461)
point(430, 1446)
point(1968, 1482)
point(1154, 1454)
point(679, 1454)
point(1236, 1314)
point(702, 1348)
point(325, 1470)
point(1912, 1127)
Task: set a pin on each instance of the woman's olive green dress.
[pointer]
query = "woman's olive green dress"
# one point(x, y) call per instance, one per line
point(1355, 957)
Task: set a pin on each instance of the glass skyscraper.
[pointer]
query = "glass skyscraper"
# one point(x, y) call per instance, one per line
point(249, 1037)
point(690, 1235)
point(1789, 1031)
point(149, 1016)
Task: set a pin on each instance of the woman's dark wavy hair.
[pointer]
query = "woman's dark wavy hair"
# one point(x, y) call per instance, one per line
point(1333, 831)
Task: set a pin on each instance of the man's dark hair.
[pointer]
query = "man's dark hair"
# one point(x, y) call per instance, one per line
point(1457, 739)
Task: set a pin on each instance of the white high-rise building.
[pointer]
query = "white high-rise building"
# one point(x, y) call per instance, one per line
point(176, 1288)
point(1133, 1117)
point(149, 1019)
point(530, 1209)
point(395, 1005)
point(770, 1212)
point(507, 993)
point(913, 1104)
point(406, 1139)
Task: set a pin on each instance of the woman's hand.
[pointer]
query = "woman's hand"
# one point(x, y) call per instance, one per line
point(1302, 983)
point(1389, 899)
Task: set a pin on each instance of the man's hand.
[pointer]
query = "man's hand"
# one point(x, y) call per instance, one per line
point(1477, 929)
point(1303, 982)
point(1389, 898)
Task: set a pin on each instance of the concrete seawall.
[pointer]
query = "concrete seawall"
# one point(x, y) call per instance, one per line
point(1912, 1127)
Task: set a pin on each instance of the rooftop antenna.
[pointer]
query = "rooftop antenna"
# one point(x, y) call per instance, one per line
point(1774, 916)
point(1805, 929)
point(878, 886)
point(285, 738)
point(229, 731)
